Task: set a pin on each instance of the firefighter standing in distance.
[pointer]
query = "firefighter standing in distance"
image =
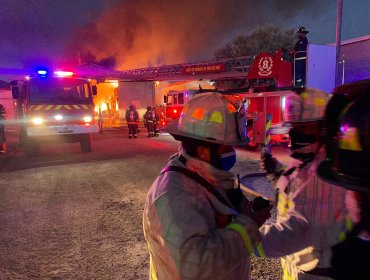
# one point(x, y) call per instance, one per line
point(310, 212)
point(149, 121)
point(156, 120)
point(2, 130)
point(132, 118)
point(300, 57)
point(193, 228)
point(100, 121)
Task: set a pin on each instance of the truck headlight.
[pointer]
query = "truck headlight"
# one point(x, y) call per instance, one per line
point(37, 121)
point(87, 119)
point(58, 117)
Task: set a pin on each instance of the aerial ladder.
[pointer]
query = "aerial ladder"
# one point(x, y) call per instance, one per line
point(226, 68)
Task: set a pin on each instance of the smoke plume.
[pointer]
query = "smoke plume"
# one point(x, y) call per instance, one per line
point(143, 33)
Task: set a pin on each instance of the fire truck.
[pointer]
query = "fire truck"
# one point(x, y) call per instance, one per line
point(175, 100)
point(54, 107)
point(269, 79)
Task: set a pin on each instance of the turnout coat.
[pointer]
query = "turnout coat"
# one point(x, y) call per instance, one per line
point(181, 227)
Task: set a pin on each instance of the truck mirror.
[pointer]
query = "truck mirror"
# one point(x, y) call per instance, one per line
point(94, 90)
point(15, 92)
point(165, 99)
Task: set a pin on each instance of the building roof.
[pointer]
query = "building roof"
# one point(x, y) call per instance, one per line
point(353, 40)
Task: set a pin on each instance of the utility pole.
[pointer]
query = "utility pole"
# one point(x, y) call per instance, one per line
point(338, 43)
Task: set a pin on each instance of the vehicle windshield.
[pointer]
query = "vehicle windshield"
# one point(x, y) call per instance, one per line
point(66, 91)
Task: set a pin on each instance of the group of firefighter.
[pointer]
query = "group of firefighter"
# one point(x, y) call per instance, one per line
point(151, 121)
point(199, 225)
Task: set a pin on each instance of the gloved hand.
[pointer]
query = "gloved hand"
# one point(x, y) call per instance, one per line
point(268, 163)
point(271, 165)
point(258, 216)
point(262, 215)
point(260, 203)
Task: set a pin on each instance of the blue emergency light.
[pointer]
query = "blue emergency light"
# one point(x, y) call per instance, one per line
point(42, 72)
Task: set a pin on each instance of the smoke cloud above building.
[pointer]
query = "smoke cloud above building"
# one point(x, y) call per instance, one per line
point(142, 33)
point(127, 34)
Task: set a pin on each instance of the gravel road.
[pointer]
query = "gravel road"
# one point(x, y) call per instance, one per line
point(83, 221)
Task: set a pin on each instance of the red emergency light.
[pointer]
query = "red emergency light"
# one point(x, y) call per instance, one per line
point(63, 73)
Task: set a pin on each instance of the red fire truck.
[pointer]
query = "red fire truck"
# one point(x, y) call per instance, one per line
point(54, 107)
point(269, 79)
point(175, 100)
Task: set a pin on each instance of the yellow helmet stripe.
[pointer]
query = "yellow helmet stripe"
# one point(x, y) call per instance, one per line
point(216, 117)
point(350, 140)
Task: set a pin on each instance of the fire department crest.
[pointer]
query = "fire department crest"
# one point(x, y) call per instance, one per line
point(265, 66)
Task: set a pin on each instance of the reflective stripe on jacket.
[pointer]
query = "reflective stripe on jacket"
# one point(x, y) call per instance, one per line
point(184, 240)
point(310, 219)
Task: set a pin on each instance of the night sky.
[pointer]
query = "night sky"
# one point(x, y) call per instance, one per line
point(141, 33)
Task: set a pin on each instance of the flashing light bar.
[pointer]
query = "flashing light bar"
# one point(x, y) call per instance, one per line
point(63, 73)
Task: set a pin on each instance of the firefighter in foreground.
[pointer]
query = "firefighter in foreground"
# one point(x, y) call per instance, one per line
point(310, 212)
point(132, 118)
point(149, 121)
point(193, 229)
point(2, 130)
point(347, 166)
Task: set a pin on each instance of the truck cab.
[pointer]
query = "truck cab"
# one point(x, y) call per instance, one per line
point(52, 108)
point(174, 101)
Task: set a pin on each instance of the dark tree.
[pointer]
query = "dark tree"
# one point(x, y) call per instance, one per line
point(267, 38)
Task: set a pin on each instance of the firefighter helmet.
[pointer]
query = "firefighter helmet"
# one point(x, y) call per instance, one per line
point(305, 106)
point(2, 109)
point(348, 165)
point(303, 30)
point(212, 117)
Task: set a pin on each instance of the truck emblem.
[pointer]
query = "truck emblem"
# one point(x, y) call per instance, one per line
point(264, 66)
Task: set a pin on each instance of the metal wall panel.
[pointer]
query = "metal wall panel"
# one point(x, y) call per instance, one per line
point(356, 57)
point(321, 67)
point(142, 94)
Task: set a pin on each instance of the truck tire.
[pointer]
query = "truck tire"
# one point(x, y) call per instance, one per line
point(85, 142)
point(31, 148)
point(251, 146)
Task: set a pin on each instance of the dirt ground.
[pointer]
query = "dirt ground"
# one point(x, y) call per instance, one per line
point(83, 221)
